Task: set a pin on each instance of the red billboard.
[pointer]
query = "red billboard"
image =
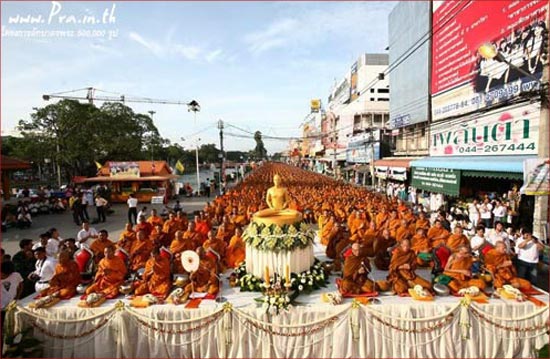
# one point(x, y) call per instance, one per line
point(462, 80)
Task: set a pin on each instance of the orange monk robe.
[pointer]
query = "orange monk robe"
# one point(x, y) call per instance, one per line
point(381, 219)
point(503, 275)
point(159, 239)
point(239, 219)
point(352, 281)
point(327, 232)
point(110, 275)
point(186, 244)
point(203, 280)
point(219, 246)
point(422, 223)
point(156, 278)
point(409, 216)
point(356, 227)
point(420, 243)
point(155, 220)
point(145, 227)
point(460, 280)
point(368, 239)
point(402, 208)
point(402, 232)
point(235, 253)
point(126, 240)
point(140, 253)
point(98, 247)
point(223, 234)
point(321, 222)
point(170, 227)
point(202, 227)
point(65, 280)
point(393, 225)
point(437, 236)
point(403, 279)
point(181, 223)
point(455, 241)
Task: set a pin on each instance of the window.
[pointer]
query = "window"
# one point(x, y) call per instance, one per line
point(371, 90)
point(383, 90)
point(372, 99)
point(383, 99)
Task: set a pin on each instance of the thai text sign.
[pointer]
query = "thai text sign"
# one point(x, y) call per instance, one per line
point(438, 180)
point(502, 132)
point(124, 169)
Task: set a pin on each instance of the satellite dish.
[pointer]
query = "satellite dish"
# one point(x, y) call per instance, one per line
point(190, 261)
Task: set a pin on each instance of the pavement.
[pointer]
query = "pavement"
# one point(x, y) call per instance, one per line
point(68, 229)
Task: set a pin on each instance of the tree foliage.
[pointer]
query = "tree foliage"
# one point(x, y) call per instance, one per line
point(259, 152)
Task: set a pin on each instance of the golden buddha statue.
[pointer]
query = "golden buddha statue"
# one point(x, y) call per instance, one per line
point(277, 199)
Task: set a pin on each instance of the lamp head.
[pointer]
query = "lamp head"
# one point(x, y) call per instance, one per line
point(489, 51)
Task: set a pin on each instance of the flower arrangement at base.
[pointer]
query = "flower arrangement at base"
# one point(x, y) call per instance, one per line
point(276, 238)
point(277, 298)
point(305, 282)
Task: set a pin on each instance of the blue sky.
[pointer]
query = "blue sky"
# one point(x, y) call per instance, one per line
point(252, 64)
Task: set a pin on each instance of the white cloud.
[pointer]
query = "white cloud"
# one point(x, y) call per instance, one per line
point(188, 52)
point(155, 48)
point(212, 56)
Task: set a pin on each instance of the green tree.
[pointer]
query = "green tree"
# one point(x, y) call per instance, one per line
point(260, 152)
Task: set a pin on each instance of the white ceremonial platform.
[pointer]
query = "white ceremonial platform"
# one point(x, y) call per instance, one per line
point(448, 327)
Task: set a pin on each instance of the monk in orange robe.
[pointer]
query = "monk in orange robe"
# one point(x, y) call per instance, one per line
point(222, 233)
point(159, 238)
point(420, 244)
point(369, 237)
point(144, 226)
point(170, 226)
point(394, 223)
point(356, 270)
point(328, 230)
point(181, 221)
point(403, 231)
point(437, 234)
point(155, 219)
point(218, 246)
point(66, 278)
point(110, 275)
point(180, 244)
point(499, 264)
point(204, 279)
point(140, 252)
point(402, 276)
point(322, 222)
point(381, 218)
point(422, 221)
point(157, 277)
point(338, 241)
point(459, 268)
point(98, 246)
point(236, 250)
point(127, 238)
point(457, 239)
point(238, 219)
point(382, 244)
point(356, 225)
point(201, 225)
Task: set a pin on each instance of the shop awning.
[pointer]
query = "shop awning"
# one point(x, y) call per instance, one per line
point(130, 179)
point(478, 166)
point(395, 162)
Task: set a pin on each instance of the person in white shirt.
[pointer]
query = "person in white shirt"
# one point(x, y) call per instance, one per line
point(132, 209)
point(85, 202)
point(485, 213)
point(528, 249)
point(45, 269)
point(52, 248)
point(142, 213)
point(473, 212)
point(477, 241)
point(499, 212)
point(85, 234)
point(100, 204)
point(11, 283)
point(499, 234)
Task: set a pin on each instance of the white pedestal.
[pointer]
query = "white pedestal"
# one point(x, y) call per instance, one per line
point(299, 260)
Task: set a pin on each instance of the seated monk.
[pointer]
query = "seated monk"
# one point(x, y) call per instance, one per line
point(98, 246)
point(65, 279)
point(237, 219)
point(368, 239)
point(322, 220)
point(356, 270)
point(357, 226)
point(218, 246)
point(382, 244)
point(140, 251)
point(437, 234)
point(157, 277)
point(336, 236)
point(402, 276)
point(170, 226)
point(422, 221)
point(127, 238)
point(381, 218)
point(110, 275)
point(393, 223)
point(328, 230)
point(457, 239)
point(204, 279)
point(155, 219)
point(222, 233)
point(421, 246)
point(459, 268)
point(144, 226)
point(201, 225)
point(159, 238)
point(181, 221)
point(502, 269)
point(403, 231)
point(181, 244)
point(236, 251)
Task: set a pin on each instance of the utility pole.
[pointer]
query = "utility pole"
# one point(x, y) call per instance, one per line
point(152, 148)
point(222, 155)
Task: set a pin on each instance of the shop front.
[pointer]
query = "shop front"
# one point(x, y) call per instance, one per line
point(393, 170)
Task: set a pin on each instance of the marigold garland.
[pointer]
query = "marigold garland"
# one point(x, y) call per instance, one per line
point(45, 331)
point(300, 333)
point(204, 324)
point(482, 317)
point(427, 329)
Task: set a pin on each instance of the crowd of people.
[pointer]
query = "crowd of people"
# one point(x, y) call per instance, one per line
point(359, 228)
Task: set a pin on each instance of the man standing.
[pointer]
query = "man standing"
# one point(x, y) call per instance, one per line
point(132, 209)
point(100, 204)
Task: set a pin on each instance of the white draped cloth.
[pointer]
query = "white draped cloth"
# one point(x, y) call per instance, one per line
point(298, 260)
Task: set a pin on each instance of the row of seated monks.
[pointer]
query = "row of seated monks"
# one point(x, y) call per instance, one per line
point(369, 224)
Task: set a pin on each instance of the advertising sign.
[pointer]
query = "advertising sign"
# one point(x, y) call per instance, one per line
point(438, 180)
point(462, 80)
point(499, 133)
point(124, 169)
point(315, 105)
point(536, 177)
point(361, 148)
point(353, 82)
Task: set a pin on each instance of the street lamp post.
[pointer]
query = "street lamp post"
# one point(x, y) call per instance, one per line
point(194, 107)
